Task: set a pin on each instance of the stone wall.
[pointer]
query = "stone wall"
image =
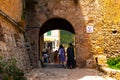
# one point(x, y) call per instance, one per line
point(70, 11)
point(105, 38)
point(80, 13)
point(12, 42)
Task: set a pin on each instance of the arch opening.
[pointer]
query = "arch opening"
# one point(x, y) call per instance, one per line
point(53, 24)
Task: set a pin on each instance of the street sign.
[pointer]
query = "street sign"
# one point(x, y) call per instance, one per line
point(89, 29)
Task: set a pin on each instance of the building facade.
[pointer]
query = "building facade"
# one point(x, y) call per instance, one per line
point(52, 39)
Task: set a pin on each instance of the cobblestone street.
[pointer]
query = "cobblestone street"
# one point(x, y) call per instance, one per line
point(52, 72)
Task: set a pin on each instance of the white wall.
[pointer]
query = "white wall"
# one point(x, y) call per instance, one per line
point(54, 38)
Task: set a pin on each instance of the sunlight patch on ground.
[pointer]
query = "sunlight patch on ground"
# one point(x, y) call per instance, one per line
point(95, 78)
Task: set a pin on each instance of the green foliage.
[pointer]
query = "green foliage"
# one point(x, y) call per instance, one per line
point(9, 69)
point(114, 62)
point(118, 65)
point(66, 37)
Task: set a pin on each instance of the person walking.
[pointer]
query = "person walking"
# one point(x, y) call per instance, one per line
point(61, 53)
point(71, 63)
point(45, 56)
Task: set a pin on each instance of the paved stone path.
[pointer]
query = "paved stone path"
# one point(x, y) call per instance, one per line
point(52, 72)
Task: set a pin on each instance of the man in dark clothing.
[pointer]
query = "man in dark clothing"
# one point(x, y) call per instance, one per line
point(70, 55)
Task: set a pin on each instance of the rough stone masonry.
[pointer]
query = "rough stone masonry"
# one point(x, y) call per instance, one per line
point(79, 13)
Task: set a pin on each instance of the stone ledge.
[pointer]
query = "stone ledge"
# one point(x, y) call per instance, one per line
point(111, 72)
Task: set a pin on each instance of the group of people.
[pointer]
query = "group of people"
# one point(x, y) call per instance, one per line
point(65, 60)
point(71, 63)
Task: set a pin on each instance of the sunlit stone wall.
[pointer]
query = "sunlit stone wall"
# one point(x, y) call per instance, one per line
point(12, 42)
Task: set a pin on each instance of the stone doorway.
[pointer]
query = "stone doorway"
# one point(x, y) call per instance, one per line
point(56, 23)
point(68, 15)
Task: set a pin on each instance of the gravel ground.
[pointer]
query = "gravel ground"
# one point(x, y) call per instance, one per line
point(53, 72)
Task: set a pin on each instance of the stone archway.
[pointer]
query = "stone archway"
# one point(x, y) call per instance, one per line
point(53, 24)
point(36, 17)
